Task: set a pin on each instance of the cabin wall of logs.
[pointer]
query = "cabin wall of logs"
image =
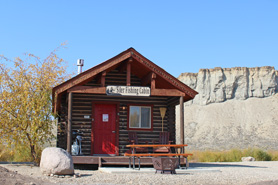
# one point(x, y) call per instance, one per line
point(82, 113)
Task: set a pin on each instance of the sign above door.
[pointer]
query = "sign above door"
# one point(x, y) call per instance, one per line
point(128, 90)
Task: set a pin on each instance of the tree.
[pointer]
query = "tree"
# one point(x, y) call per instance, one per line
point(26, 100)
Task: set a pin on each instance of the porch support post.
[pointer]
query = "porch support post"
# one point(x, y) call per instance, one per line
point(181, 121)
point(69, 139)
point(128, 72)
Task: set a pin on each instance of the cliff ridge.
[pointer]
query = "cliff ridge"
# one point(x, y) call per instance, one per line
point(222, 84)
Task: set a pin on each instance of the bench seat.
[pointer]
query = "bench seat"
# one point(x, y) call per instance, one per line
point(156, 155)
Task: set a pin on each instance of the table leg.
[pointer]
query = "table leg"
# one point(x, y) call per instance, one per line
point(129, 165)
point(133, 152)
point(133, 162)
point(179, 162)
point(139, 162)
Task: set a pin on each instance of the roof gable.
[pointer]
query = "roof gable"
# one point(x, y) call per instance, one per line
point(139, 66)
point(92, 72)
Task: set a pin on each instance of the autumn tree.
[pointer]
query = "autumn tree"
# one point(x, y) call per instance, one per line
point(26, 100)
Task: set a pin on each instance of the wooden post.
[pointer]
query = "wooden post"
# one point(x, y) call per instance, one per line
point(102, 80)
point(69, 139)
point(153, 77)
point(149, 79)
point(181, 121)
point(128, 72)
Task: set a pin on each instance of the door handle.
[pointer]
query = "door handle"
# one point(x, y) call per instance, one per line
point(113, 131)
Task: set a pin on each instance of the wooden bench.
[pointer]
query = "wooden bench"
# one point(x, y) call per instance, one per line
point(138, 155)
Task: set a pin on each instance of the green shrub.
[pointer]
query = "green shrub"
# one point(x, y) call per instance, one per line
point(258, 154)
point(261, 155)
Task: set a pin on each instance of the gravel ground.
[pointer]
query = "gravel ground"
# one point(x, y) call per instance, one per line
point(229, 173)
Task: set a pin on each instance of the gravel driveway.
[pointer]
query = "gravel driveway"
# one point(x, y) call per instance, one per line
point(220, 173)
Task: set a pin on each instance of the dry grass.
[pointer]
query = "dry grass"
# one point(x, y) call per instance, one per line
point(22, 154)
point(18, 154)
point(5, 155)
point(274, 155)
point(233, 155)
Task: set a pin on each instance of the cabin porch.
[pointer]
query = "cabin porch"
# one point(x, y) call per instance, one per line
point(113, 160)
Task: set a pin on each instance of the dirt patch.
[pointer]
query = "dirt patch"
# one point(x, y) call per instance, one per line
point(8, 177)
point(266, 183)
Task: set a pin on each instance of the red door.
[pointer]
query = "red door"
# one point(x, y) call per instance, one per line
point(104, 129)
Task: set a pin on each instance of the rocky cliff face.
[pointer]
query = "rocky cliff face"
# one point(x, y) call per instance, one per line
point(218, 85)
point(235, 108)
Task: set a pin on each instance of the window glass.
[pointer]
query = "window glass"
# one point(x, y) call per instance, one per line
point(139, 117)
point(145, 117)
point(134, 116)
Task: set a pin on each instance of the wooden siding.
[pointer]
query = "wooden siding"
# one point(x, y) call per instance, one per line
point(116, 78)
point(62, 122)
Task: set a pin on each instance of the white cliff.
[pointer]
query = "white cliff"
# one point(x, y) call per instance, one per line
point(218, 85)
point(235, 108)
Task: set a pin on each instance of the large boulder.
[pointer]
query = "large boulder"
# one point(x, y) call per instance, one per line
point(56, 161)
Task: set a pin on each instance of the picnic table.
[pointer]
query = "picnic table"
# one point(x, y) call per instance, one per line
point(179, 152)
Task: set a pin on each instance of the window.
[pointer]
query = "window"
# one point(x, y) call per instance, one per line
point(140, 117)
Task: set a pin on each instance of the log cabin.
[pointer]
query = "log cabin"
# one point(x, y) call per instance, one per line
point(121, 95)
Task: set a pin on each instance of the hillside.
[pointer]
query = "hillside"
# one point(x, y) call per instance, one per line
point(235, 108)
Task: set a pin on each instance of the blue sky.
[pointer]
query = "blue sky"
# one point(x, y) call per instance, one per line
point(179, 36)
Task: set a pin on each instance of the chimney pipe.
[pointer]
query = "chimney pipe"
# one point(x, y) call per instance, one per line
point(80, 63)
